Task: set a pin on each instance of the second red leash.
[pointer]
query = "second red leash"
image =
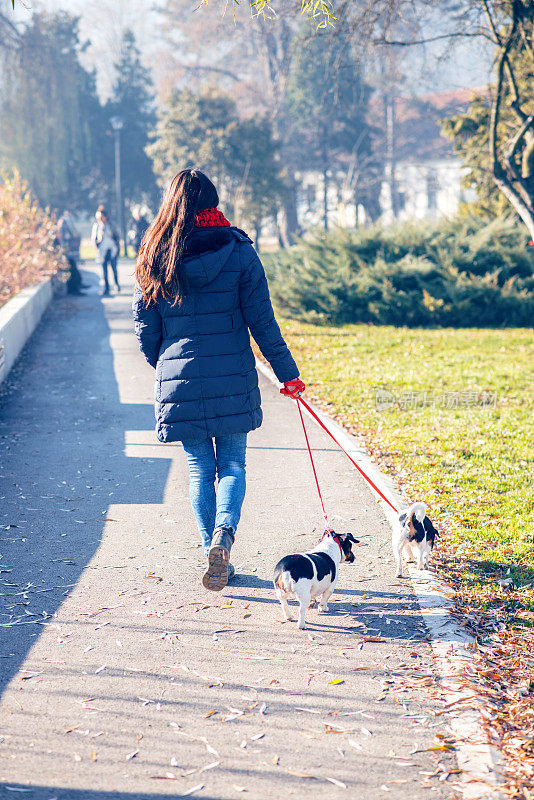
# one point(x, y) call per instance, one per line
point(360, 470)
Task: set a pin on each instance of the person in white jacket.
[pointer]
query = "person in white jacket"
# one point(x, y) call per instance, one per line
point(106, 240)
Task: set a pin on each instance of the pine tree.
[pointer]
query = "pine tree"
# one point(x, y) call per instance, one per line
point(133, 101)
point(205, 130)
point(195, 130)
point(50, 112)
point(326, 108)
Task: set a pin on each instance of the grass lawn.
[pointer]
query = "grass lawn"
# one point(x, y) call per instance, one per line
point(458, 433)
point(88, 251)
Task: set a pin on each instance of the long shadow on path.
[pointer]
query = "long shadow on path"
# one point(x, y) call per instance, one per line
point(62, 439)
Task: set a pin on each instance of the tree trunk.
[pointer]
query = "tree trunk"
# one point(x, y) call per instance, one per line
point(391, 165)
point(525, 211)
point(257, 233)
point(325, 177)
point(288, 218)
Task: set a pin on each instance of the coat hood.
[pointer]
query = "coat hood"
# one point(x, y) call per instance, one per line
point(206, 252)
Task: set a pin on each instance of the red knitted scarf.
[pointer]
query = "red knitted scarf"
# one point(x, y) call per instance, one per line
point(211, 218)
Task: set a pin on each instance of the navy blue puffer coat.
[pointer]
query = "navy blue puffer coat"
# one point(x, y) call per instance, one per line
point(206, 379)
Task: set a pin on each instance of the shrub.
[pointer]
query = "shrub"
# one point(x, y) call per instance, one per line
point(458, 273)
point(27, 234)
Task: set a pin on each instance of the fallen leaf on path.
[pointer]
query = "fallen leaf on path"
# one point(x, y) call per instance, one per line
point(333, 728)
point(30, 675)
point(355, 744)
point(336, 682)
point(336, 782)
point(239, 788)
point(299, 774)
point(210, 713)
point(209, 766)
point(440, 748)
point(193, 789)
point(132, 755)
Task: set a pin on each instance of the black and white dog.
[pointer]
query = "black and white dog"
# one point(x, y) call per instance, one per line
point(415, 533)
point(305, 576)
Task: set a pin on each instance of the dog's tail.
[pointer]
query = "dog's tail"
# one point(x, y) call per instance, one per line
point(283, 581)
point(417, 510)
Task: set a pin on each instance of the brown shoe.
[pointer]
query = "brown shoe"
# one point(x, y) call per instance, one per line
point(216, 576)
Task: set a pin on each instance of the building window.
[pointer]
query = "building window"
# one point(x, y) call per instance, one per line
point(432, 187)
point(310, 196)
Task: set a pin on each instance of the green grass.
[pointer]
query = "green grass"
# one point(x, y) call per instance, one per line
point(88, 252)
point(473, 464)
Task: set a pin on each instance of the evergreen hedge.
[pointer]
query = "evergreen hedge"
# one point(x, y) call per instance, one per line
point(461, 273)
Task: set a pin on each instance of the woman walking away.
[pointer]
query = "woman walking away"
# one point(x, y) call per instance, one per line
point(200, 289)
point(106, 240)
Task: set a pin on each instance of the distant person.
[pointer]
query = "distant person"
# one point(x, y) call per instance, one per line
point(69, 240)
point(138, 228)
point(106, 240)
point(200, 289)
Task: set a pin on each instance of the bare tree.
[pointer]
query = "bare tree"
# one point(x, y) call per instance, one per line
point(508, 26)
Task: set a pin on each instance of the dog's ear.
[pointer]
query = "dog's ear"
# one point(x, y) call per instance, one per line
point(429, 527)
point(351, 538)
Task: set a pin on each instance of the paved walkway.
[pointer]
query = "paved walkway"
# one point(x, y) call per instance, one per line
point(120, 675)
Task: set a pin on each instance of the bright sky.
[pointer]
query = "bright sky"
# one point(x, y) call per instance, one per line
point(102, 23)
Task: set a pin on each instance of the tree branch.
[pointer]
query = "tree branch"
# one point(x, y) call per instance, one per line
point(514, 144)
point(516, 103)
point(219, 70)
point(496, 108)
point(458, 35)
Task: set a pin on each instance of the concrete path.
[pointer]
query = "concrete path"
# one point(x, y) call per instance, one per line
point(120, 675)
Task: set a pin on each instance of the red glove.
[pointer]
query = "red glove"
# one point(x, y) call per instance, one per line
point(293, 388)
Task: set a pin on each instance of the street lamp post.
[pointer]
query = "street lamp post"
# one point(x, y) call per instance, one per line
point(117, 123)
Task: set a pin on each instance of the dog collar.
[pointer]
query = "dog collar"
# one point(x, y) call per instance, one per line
point(336, 540)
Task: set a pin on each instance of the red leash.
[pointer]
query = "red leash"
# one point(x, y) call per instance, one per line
point(299, 401)
point(360, 470)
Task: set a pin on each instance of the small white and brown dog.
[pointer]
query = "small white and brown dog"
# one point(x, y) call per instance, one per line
point(415, 534)
point(306, 576)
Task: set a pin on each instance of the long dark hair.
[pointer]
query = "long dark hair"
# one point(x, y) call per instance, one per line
point(158, 267)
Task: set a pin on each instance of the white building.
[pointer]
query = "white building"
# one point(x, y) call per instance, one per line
point(421, 170)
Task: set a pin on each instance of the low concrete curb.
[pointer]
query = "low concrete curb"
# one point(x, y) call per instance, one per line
point(451, 646)
point(18, 320)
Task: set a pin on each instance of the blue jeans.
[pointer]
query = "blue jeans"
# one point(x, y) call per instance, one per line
point(112, 261)
point(226, 462)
